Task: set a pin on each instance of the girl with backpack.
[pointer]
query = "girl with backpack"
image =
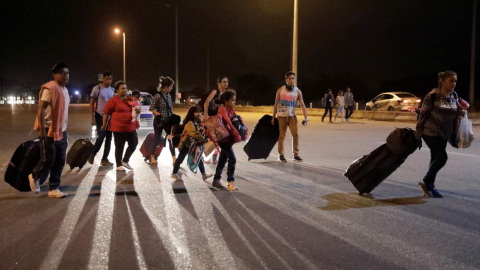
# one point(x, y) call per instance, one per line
point(227, 155)
point(193, 131)
point(435, 125)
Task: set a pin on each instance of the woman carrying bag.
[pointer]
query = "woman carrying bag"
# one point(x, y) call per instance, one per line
point(161, 108)
point(436, 125)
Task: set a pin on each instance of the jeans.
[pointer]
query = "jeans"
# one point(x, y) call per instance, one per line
point(181, 158)
point(52, 160)
point(120, 139)
point(158, 127)
point(339, 110)
point(290, 122)
point(226, 154)
point(438, 159)
point(349, 111)
point(102, 135)
point(327, 109)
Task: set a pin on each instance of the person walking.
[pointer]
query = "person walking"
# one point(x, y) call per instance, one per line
point(161, 109)
point(285, 104)
point(436, 125)
point(51, 124)
point(228, 99)
point(119, 110)
point(98, 98)
point(340, 105)
point(211, 105)
point(193, 131)
point(349, 103)
point(328, 102)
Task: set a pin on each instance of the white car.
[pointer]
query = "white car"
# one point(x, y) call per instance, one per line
point(394, 101)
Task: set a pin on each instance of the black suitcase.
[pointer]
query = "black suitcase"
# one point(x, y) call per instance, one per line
point(369, 171)
point(263, 138)
point(22, 164)
point(78, 154)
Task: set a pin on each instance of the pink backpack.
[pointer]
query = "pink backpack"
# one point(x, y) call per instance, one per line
point(215, 128)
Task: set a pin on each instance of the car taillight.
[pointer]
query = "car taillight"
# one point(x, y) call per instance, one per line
point(418, 100)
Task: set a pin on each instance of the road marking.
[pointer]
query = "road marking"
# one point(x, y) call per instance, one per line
point(136, 241)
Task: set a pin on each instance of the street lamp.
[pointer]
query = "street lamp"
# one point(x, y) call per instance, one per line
point(295, 40)
point(124, 68)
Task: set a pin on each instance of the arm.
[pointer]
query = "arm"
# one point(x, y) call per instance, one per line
point(277, 98)
point(41, 117)
point(105, 120)
point(207, 101)
point(425, 112)
point(92, 110)
point(107, 111)
point(228, 124)
point(302, 104)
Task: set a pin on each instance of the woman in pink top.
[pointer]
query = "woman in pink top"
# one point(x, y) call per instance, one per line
point(124, 130)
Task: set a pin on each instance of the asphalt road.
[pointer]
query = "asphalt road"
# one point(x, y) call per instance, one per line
point(285, 216)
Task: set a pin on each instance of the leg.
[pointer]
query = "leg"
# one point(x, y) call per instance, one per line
point(201, 167)
point(157, 128)
point(132, 139)
point(283, 123)
point(57, 168)
point(293, 126)
point(168, 131)
point(342, 111)
point(47, 158)
point(221, 164)
point(330, 110)
point(438, 159)
point(100, 133)
point(325, 114)
point(181, 157)
point(107, 145)
point(232, 161)
point(119, 145)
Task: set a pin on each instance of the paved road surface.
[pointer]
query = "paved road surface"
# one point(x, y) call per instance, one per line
point(285, 216)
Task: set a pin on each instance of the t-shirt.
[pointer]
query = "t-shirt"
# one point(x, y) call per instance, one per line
point(102, 94)
point(341, 101)
point(121, 112)
point(46, 96)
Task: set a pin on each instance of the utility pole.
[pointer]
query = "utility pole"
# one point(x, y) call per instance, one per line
point(472, 58)
point(295, 40)
point(177, 83)
point(208, 66)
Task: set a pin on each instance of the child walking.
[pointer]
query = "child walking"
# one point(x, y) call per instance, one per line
point(227, 155)
point(193, 130)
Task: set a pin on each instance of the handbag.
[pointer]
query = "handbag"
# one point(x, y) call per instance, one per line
point(174, 119)
point(237, 123)
point(215, 129)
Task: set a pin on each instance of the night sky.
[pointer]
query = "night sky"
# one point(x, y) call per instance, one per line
point(372, 42)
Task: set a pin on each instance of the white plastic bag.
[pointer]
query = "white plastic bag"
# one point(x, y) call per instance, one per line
point(465, 132)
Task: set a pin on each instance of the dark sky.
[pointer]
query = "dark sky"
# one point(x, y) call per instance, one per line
point(376, 39)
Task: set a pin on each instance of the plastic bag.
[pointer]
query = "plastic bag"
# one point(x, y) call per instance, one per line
point(465, 133)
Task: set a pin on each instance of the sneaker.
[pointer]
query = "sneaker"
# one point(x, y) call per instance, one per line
point(343, 121)
point(176, 177)
point(322, 119)
point(282, 159)
point(153, 161)
point(231, 187)
point(435, 193)
point(91, 158)
point(206, 176)
point(56, 193)
point(217, 184)
point(106, 162)
point(348, 119)
point(297, 159)
point(335, 120)
point(34, 184)
point(330, 121)
point(120, 168)
point(126, 165)
point(424, 189)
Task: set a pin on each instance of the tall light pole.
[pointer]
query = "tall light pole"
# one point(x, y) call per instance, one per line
point(124, 66)
point(472, 58)
point(295, 40)
point(177, 83)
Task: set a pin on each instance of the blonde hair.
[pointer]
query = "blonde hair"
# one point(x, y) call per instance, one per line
point(442, 76)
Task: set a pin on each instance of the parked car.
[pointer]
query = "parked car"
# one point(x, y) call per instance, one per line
point(193, 100)
point(146, 116)
point(394, 101)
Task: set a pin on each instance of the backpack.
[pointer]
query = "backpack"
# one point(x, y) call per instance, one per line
point(402, 141)
point(215, 129)
point(433, 96)
point(237, 123)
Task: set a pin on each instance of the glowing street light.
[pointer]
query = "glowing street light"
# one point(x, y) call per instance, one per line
point(124, 69)
point(76, 93)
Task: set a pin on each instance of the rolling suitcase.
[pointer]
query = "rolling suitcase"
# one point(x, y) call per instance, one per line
point(367, 172)
point(147, 143)
point(78, 154)
point(263, 139)
point(22, 164)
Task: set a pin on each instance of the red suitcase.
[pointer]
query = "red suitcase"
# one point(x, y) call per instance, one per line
point(147, 145)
